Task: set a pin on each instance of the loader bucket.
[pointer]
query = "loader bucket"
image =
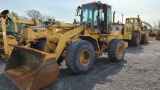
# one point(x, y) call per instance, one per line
point(30, 69)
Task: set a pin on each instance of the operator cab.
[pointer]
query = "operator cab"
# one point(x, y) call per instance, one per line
point(44, 23)
point(134, 21)
point(97, 15)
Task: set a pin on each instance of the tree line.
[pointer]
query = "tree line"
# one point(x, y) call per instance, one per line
point(38, 15)
point(34, 14)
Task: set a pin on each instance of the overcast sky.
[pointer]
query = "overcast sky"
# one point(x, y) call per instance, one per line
point(64, 10)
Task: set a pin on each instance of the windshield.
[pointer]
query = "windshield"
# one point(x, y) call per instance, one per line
point(90, 14)
point(44, 24)
point(9, 25)
point(21, 27)
point(129, 20)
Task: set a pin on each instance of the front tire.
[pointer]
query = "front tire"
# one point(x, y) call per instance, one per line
point(116, 50)
point(135, 39)
point(80, 56)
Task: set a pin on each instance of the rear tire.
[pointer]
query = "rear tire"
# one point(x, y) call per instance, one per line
point(157, 37)
point(143, 39)
point(80, 56)
point(135, 39)
point(116, 50)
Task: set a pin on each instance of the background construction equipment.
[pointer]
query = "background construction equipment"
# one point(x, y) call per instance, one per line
point(22, 31)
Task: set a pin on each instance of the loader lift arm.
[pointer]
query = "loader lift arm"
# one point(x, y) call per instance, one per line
point(152, 32)
point(11, 32)
point(150, 26)
point(15, 20)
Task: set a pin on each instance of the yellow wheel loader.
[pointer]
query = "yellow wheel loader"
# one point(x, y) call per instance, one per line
point(134, 32)
point(11, 27)
point(78, 44)
point(35, 37)
point(152, 32)
point(27, 32)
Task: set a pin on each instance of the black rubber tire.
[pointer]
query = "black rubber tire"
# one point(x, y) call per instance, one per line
point(113, 50)
point(42, 44)
point(143, 39)
point(156, 37)
point(73, 53)
point(134, 41)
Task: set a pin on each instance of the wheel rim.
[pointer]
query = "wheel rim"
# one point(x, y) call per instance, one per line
point(138, 40)
point(146, 40)
point(85, 58)
point(120, 51)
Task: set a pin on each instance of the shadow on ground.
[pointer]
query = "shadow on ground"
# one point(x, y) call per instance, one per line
point(5, 83)
point(136, 49)
point(97, 75)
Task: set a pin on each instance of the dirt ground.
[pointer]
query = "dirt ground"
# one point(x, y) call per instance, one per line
point(139, 71)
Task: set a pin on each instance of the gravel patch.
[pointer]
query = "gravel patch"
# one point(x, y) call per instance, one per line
point(139, 71)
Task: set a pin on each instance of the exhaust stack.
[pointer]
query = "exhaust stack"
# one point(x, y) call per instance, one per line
point(113, 16)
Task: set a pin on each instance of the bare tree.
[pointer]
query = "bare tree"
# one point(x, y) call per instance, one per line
point(33, 14)
point(47, 17)
point(154, 25)
point(37, 15)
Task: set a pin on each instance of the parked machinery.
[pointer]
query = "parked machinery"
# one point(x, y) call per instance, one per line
point(133, 32)
point(158, 35)
point(11, 29)
point(158, 32)
point(16, 30)
point(35, 36)
point(152, 32)
point(78, 44)
point(145, 32)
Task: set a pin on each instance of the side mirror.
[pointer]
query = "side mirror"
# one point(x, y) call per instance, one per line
point(78, 11)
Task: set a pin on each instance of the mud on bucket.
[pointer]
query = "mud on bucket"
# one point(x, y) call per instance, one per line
point(30, 69)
